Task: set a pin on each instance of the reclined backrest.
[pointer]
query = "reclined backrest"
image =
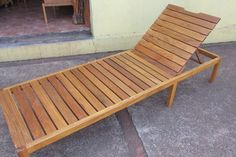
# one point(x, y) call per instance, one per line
point(174, 37)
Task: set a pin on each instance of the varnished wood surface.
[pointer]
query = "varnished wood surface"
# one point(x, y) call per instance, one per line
point(46, 109)
point(174, 37)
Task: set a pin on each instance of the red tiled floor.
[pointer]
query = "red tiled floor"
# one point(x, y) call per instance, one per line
point(21, 19)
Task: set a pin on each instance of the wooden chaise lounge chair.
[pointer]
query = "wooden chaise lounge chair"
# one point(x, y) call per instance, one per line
point(46, 109)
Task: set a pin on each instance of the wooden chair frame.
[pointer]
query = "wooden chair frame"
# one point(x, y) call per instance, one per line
point(171, 84)
point(25, 103)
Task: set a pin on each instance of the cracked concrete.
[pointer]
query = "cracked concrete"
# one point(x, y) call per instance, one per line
point(202, 121)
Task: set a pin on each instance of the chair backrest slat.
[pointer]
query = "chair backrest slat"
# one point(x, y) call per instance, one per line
point(203, 16)
point(185, 24)
point(174, 37)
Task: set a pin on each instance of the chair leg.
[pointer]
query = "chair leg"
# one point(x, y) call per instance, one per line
point(214, 72)
point(23, 153)
point(171, 94)
point(45, 14)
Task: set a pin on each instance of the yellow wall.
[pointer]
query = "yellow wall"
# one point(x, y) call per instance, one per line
point(121, 18)
point(119, 24)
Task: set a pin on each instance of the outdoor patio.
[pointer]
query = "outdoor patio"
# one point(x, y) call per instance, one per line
point(194, 126)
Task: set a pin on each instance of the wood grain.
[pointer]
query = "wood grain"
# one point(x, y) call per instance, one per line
point(46, 109)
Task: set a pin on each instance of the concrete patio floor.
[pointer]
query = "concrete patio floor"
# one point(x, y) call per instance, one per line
point(202, 121)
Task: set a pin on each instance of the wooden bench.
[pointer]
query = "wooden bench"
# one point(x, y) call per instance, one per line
point(46, 109)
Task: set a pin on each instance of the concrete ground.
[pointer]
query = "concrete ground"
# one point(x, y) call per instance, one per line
point(202, 121)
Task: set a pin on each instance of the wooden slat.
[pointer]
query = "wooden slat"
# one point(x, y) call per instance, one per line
point(168, 63)
point(138, 69)
point(97, 92)
point(109, 93)
point(133, 71)
point(168, 47)
point(27, 113)
point(172, 41)
point(153, 67)
point(70, 101)
point(58, 101)
point(115, 80)
point(12, 113)
point(12, 122)
point(84, 91)
point(48, 105)
point(180, 29)
point(122, 77)
point(190, 19)
point(116, 89)
point(145, 67)
point(39, 110)
point(156, 63)
point(203, 16)
point(76, 94)
point(176, 35)
point(163, 52)
point(115, 108)
point(185, 24)
point(126, 73)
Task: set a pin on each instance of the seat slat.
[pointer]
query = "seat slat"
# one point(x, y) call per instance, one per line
point(203, 16)
point(153, 67)
point(16, 135)
point(74, 106)
point(116, 89)
point(97, 92)
point(16, 113)
point(27, 113)
point(138, 69)
point(185, 24)
point(175, 50)
point(122, 77)
point(109, 93)
point(39, 110)
point(133, 72)
point(115, 80)
point(180, 29)
point(127, 74)
point(170, 56)
point(76, 94)
point(14, 123)
point(172, 41)
point(156, 63)
point(152, 54)
point(144, 67)
point(190, 19)
point(84, 91)
point(58, 101)
point(48, 105)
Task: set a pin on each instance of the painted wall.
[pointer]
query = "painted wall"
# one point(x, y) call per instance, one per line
point(119, 24)
point(122, 18)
